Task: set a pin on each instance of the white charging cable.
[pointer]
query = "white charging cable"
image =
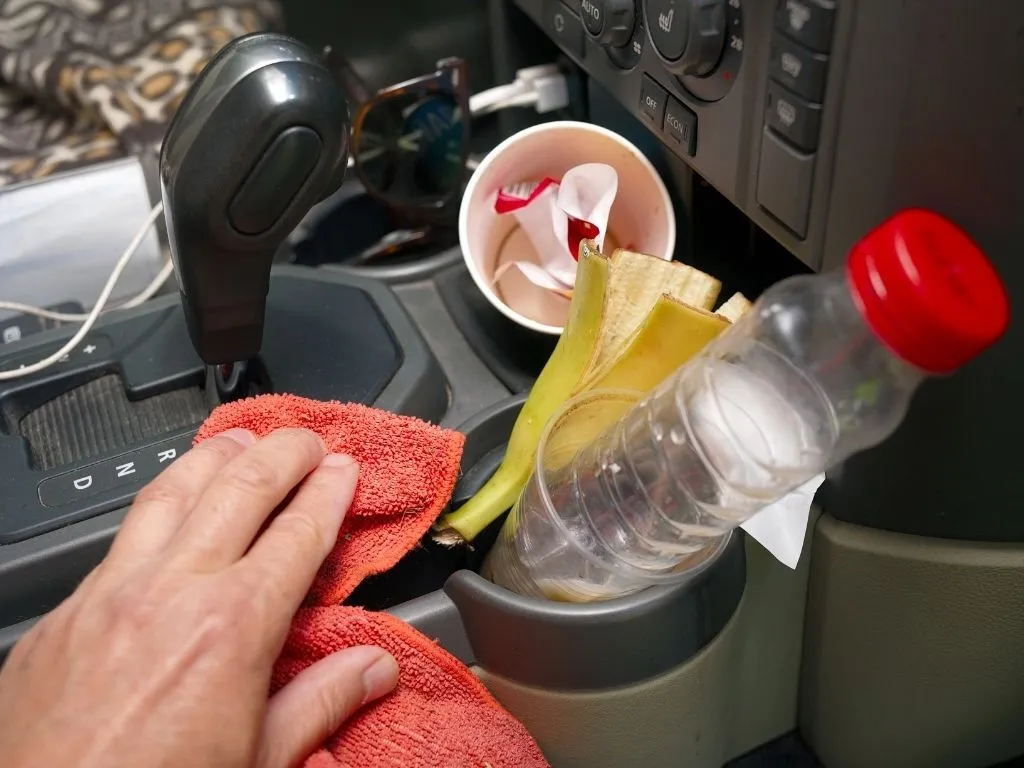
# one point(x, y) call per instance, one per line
point(89, 320)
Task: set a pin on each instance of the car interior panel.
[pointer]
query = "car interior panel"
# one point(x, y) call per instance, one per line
point(783, 131)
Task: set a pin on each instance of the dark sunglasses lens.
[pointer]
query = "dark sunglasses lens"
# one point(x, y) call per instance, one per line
point(411, 147)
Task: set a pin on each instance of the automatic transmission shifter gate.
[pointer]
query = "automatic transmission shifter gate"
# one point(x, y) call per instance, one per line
point(79, 440)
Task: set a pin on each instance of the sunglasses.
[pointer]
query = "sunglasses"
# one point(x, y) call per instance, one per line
point(410, 141)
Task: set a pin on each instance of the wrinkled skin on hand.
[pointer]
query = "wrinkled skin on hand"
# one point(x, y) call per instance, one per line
point(163, 655)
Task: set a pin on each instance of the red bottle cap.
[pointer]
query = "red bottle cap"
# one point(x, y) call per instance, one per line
point(927, 291)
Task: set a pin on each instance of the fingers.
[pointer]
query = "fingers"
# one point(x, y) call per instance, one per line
point(303, 714)
point(237, 503)
point(161, 507)
point(284, 561)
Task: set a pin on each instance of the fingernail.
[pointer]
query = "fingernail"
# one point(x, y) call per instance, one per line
point(337, 460)
point(316, 435)
point(380, 677)
point(344, 474)
point(240, 436)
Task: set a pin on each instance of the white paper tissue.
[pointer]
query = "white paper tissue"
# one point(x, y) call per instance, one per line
point(782, 527)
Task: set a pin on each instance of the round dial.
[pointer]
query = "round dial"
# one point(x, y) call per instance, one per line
point(689, 35)
point(610, 22)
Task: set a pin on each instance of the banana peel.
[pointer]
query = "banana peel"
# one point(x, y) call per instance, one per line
point(736, 307)
point(670, 334)
point(553, 386)
point(633, 320)
point(637, 283)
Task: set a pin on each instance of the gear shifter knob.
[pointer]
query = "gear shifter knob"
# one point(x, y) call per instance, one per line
point(261, 136)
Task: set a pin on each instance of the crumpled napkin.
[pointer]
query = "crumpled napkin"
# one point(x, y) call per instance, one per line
point(781, 527)
point(555, 215)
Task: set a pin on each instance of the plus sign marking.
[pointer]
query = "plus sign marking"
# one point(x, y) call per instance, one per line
point(89, 349)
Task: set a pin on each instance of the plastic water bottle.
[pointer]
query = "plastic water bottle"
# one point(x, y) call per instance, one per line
point(822, 367)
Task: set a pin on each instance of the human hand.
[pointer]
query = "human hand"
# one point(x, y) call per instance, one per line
point(163, 655)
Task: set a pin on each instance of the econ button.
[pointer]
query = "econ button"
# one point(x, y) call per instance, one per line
point(681, 127)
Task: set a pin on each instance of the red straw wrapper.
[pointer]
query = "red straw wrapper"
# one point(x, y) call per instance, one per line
point(513, 197)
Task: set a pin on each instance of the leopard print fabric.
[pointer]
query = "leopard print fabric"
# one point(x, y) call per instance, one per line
point(83, 81)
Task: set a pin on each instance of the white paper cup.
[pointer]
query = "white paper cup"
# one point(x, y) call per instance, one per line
point(641, 219)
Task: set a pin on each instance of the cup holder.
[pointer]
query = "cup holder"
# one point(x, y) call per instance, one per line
point(339, 228)
point(543, 643)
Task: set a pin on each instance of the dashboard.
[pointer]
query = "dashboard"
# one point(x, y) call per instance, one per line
point(816, 118)
point(736, 88)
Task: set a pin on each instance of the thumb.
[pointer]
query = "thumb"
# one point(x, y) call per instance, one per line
point(303, 714)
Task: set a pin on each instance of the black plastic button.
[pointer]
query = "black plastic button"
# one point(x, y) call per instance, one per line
point(669, 26)
point(681, 127)
point(275, 180)
point(564, 26)
point(800, 70)
point(792, 117)
point(807, 21)
point(652, 101)
point(592, 15)
point(16, 328)
point(784, 182)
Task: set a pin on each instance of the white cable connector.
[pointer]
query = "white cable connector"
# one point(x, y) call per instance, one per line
point(530, 75)
point(552, 93)
point(543, 87)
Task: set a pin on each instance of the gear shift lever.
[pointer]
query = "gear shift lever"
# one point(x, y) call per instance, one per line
point(261, 136)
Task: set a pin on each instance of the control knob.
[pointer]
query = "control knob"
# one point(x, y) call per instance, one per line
point(610, 22)
point(689, 35)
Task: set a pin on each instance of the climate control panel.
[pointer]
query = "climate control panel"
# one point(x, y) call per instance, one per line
point(817, 119)
point(737, 89)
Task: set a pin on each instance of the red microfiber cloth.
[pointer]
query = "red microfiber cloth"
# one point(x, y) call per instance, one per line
point(440, 715)
point(407, 471)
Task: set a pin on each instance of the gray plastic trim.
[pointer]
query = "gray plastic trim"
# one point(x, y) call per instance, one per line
point(32, 572)
point(564, 646)
point(407, 391)
point(437, 617)
point(472, 387)
point(568, 647)
point(409, 272)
